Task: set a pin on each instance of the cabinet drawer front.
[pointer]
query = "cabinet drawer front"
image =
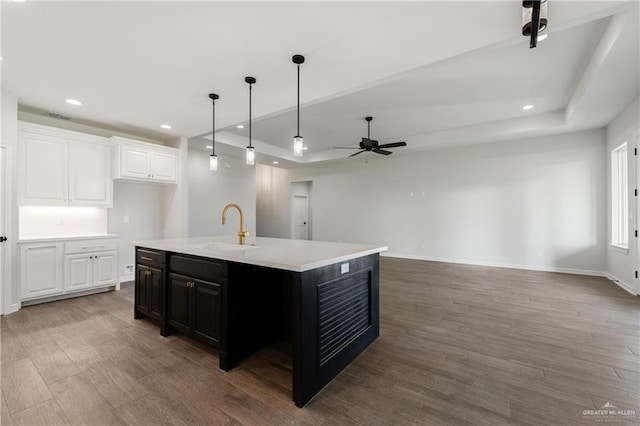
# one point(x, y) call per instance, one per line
point(205, 269)
point(90, 246)
point(150, 257)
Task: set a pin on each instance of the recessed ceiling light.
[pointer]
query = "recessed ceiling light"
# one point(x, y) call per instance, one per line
point(0, 58)
point(240, 126)
point(275, 162)
point(542, 37)
point(305, 148)
point(209, 146)
point(74, 102)
point(165, 126)
point(526, 107)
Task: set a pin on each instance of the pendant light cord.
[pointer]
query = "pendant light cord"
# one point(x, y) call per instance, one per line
point(250, 114)
point(213, 130)
point(298, 100)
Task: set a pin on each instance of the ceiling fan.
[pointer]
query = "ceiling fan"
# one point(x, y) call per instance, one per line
point(368, 144)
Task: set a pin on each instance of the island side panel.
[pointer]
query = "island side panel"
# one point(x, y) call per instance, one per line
point(335, 317)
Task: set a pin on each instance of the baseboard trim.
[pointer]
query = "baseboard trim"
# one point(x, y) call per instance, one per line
point(500, 265)
point(623, 285)
point(125, 278)
point(55, 298)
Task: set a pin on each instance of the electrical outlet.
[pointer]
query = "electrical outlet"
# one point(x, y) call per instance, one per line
point(128, 269)
point(126, 219)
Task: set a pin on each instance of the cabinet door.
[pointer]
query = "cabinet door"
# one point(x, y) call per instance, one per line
point(40, 270)
point(155, 290)
point(163, 166)
point(89, 174)
point(179, 302)
point(141, 296)
point(43, 170)
point(105, 268)
point(207, 311)
point(78, 273)
point(134, 162)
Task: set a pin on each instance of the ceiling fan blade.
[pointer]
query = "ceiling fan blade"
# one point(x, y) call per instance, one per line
point(382, 151)
point(346, 147)
point(392, 145)
point(359, 152)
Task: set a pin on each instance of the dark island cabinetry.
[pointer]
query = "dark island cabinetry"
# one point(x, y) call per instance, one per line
point(195, 301)
point(328, 313)
point(149, 291)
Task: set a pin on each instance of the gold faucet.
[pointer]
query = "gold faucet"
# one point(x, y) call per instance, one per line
point(241, 234)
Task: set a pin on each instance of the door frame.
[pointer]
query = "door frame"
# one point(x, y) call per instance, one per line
point(636, 252)
point(307, 193)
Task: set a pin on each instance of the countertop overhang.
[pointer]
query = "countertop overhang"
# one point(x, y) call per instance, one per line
point(278, 253)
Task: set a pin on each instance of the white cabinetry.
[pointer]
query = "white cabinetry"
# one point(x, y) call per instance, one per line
point(49, 269)
point(147, 162)
point(59, 167)
point(41, 270)
point(90, 263)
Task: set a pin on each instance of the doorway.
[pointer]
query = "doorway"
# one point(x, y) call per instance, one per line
point(637, 211)
point(3, 233)
point(301, 210)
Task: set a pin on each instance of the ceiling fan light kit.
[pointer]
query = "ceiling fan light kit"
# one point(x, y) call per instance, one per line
point(534, 19)
point(369, 145)
point(298, 142)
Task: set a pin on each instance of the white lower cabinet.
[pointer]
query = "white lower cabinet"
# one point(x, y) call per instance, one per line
point(41, 270)
point(83, 271)
point(65, 267)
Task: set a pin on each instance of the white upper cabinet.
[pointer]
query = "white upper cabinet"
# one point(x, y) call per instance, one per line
point(43, 170)
point(59, 167)
point(145, 162)
point(89, 174)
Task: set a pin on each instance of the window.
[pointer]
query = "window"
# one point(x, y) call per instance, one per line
point(619, 197)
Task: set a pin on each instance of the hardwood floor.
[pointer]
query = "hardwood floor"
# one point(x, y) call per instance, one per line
point(458, 345)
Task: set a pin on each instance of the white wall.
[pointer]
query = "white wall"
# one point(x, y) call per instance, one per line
point(9, 140)
point(538, 203)
point(143, 204)
point(210, 191)
point(273, 211)
point(621, 265)
point(59, 221)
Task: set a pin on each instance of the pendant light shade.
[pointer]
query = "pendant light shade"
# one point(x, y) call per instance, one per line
point(251, 154)
point(298, 142)
point(213, 158)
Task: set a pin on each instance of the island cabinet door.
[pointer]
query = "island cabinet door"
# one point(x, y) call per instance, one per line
point(142, 299)
point(155, 291)
point(207, 311)
point(179, 302)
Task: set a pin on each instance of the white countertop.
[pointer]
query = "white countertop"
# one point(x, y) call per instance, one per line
point(45, 239)
point(278, 253)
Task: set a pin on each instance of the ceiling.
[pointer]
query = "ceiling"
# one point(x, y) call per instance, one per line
point(432, 73)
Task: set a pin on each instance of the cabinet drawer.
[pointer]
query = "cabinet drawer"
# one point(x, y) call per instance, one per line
point(205, 269)
point(90, 246)
point(150, 257)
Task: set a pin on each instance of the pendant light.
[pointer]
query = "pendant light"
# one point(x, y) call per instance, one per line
point(534, 20)
point(250, 151)
point(298, 142)
point(213, 158)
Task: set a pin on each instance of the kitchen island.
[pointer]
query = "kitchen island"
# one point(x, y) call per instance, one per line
point(322, 297)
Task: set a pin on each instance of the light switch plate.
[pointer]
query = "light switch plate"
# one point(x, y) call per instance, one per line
point(344, 268)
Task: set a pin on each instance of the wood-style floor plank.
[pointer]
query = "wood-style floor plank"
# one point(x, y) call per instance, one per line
point(459, 345)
